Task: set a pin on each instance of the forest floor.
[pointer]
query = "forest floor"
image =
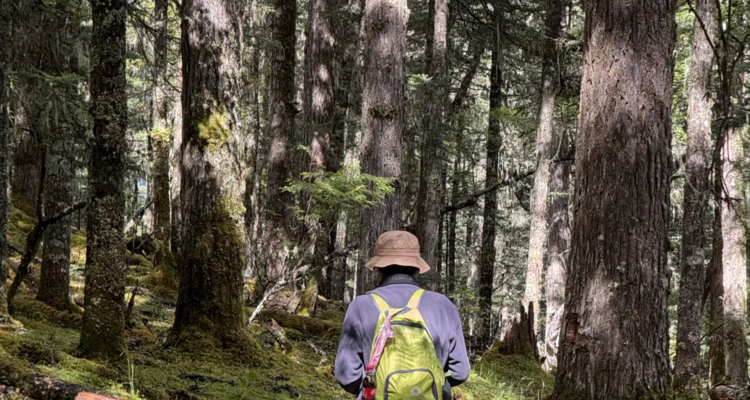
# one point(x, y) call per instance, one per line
point(42, 340)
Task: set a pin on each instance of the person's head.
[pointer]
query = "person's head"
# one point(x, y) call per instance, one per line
point(398, 252)
point(397, 269)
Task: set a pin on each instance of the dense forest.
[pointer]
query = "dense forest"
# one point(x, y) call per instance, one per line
point(191, 190)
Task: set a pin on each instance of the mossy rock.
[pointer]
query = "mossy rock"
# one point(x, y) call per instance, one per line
point(139, 260)
point(29, 307)
point(310, 326)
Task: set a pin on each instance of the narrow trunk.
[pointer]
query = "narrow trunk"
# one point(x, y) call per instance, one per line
point(103, 329)
point(210, 308)
point(489, 224)
point(5, 57)
point(715, 284)
point(687, 367)
point(175, 176)
point(382, 121)
point(54, 280)
point(734, 258)
point(282, 92)
point(558, 244)
point(544, 133)
point(319, 107)
point(161, 136)
point(615, 339)
point(430, 195)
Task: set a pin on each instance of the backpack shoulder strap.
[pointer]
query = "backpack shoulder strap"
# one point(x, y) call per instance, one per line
point(382, 306)
point(416, 299)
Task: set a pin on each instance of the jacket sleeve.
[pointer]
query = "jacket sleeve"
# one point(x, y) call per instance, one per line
point(458, 361)
point(349, 365)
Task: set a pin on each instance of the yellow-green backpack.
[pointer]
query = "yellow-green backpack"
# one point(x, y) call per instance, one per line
point(409, 368)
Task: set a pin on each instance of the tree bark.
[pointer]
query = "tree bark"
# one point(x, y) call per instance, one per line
point(733, 259)
point(54, 280)
point(489, 224)
point(382, 121)
point(281, 123)
point(697, 191)
point(558, 245)
point(5, 58)
point(430, 195)
point(103, 329)
point(615, 325)
point(545, 130)
point(715, 284)
point(319, 107)
point(161, 135)
point(210, 306)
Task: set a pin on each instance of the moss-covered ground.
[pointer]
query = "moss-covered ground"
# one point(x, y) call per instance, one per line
point(44, 340)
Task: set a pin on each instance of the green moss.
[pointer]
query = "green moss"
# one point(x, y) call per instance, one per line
point(213, 129)
point(29, 307)
point(506, 377)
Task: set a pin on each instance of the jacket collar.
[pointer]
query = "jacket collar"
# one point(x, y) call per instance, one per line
point(398, 279)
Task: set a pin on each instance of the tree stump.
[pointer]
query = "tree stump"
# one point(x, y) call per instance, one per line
point(521, 338)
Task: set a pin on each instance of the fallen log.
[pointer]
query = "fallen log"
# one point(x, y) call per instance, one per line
point(40, 387)
point(728, 392)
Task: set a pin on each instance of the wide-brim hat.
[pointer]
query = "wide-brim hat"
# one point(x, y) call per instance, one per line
point(398, 248)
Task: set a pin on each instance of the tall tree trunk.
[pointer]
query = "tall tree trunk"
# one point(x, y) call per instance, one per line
point(54, 280)
point(687, 367)
point(5, 59)
point(489, 224)
point(382, 121)
point(319, 107)
point(210, 307)
point(734, 259)
point(615, 319)
point(343, 142)
point(715, 284)
point(558, 244)
point(176, 177)
point(544, 133)
point(430, 195)
point(103, 329)
point(161, 135)
point(281, 117)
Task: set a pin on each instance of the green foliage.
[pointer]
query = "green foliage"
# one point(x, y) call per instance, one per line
point(346, 190)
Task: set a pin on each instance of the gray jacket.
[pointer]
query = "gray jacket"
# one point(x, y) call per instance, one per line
point(357, 333)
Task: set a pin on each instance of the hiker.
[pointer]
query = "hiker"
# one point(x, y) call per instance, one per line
point(414, 362)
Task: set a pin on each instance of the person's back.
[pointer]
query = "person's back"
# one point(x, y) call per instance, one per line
point(397, 288)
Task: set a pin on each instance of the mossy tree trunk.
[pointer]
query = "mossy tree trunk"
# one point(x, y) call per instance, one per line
point(615, 338)
point(161, 136)
point(486, 274)
point(5, 58)
point(697, 191)
point(382, 121)
point(210, 308)
point(539, 228)
point(103, 329)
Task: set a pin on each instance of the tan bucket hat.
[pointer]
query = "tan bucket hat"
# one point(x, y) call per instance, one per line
point(398, 248)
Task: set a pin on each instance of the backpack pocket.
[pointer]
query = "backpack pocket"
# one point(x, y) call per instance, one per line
point(411, 384)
